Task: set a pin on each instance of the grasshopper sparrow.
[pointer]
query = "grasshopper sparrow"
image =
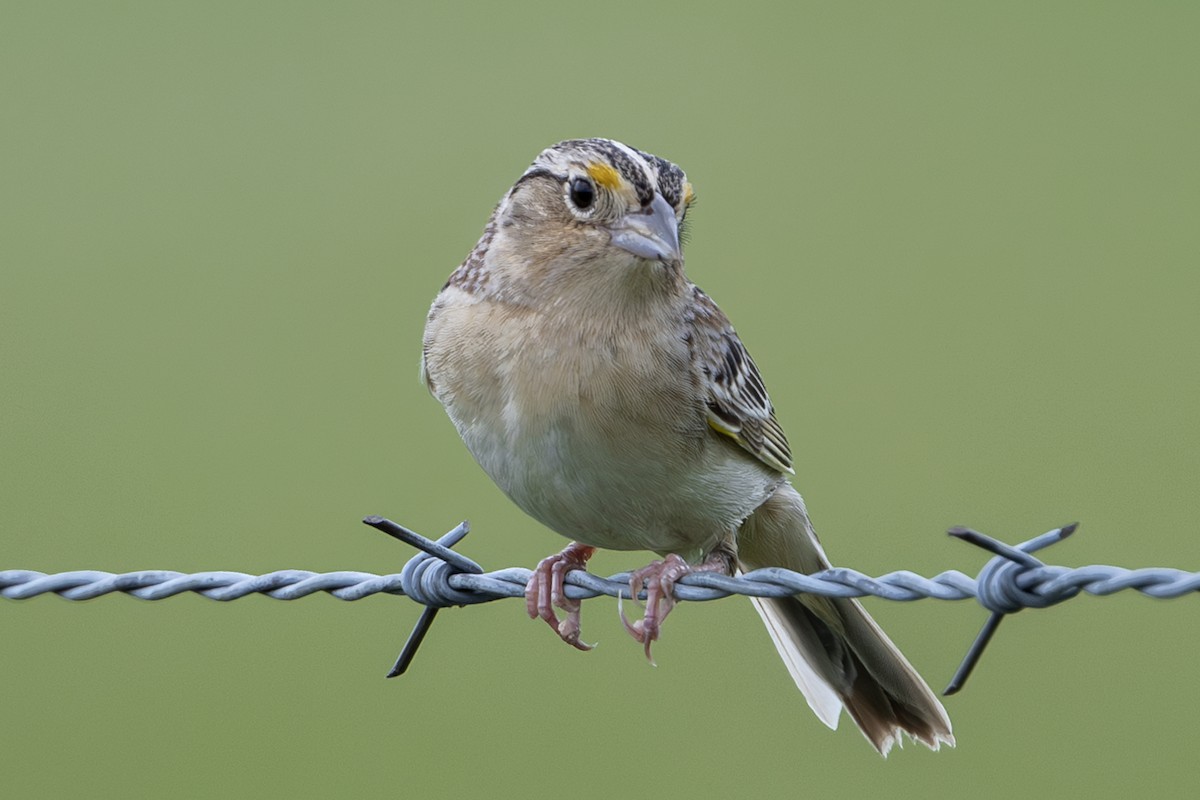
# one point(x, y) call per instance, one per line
point(611, 400)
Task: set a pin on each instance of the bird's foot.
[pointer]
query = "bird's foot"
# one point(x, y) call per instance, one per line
point(545, 592)
point(659, 578)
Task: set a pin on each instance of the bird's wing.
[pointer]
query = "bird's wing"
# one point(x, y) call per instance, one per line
point(738, 406)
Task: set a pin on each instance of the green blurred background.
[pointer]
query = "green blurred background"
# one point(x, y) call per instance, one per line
point(960, 240)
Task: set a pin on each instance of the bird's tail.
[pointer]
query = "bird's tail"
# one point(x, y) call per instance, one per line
point(837, 654)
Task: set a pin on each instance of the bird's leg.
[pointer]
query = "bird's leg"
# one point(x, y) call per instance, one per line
point(545, 590)
point(659, 578)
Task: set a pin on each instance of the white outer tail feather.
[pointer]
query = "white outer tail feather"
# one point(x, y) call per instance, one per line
point(821, 697)
point(779, 534)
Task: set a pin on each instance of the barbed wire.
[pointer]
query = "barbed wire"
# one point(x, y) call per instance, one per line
point(439, 577)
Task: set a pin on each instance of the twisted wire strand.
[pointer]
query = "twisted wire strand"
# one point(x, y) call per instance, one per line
point(438, 577)
point(1047, 582)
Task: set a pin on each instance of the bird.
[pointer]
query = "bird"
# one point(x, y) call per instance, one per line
point(612, 400)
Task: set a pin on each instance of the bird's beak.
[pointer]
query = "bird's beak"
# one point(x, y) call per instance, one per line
point(651, 233)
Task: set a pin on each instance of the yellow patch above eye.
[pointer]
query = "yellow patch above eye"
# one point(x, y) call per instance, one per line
point(604, 175)
point(689, 194)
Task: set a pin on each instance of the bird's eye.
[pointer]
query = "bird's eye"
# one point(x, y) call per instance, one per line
point(582, 193)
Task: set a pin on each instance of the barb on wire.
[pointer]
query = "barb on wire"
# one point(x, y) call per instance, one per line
point(1002, 596)
point(439, 577)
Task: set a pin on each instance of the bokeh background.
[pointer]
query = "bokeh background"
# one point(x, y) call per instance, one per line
point(961, 241)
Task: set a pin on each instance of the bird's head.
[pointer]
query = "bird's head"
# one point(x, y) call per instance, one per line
point(584, 203)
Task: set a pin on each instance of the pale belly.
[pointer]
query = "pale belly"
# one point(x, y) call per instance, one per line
point(614, 474)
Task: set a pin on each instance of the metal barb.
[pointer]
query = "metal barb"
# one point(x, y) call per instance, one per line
point(439, 549)
point(438, 577)
point(1018, 555)
point(424, 622)
point(974, 654)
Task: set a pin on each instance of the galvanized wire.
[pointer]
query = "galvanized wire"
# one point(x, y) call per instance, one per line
point(431, 580)
point(439, 577)
point(442, 590)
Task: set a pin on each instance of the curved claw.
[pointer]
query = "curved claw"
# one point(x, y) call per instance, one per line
point(546, 590)
point(659, 578)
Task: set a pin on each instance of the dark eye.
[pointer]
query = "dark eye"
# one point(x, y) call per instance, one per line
point(582, 193)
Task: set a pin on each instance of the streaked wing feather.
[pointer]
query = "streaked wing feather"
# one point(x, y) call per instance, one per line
point(738, 405)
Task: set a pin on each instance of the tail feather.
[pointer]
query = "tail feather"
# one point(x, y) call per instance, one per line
point(822, 699)
point(838, 656)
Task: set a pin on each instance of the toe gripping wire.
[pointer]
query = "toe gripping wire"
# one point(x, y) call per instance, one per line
point(438, 577)
point(1012, 580)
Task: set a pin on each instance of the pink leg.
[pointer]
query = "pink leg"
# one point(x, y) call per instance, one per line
point(545, 591)
point(659, 578)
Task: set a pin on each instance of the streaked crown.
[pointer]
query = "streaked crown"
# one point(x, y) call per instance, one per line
point(617, 167)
